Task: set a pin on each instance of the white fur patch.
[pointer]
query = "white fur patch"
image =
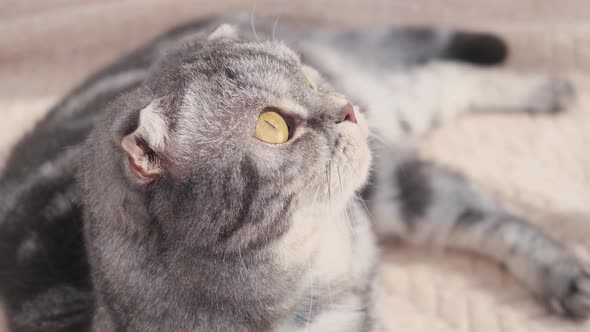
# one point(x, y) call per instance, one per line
point(153, 126)
point(224, 31)
point(344, 317)
point(320, 240)
point(291, 106)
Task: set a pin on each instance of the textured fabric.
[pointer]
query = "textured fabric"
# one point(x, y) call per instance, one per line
point(538, 165)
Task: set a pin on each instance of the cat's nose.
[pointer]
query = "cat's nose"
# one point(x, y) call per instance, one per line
point(347, 114)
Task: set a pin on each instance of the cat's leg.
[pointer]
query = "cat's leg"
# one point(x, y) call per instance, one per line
point(428, 95)
point(423, 203)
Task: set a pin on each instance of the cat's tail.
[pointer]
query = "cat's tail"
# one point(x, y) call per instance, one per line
point(478, 48)
point(385, 48)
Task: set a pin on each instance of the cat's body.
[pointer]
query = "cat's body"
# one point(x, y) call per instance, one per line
point(193, 224)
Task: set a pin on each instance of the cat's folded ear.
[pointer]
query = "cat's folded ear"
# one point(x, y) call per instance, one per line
point(145, 147)
point(224, 31)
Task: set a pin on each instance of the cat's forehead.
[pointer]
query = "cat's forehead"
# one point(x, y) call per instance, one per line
point(232, 79)
point(205, 63)
point(241, 70)
point(246, 57)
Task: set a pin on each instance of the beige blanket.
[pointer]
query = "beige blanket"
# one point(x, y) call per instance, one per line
point(539, 165)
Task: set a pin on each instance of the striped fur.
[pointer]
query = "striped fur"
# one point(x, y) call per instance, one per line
point(232, 235)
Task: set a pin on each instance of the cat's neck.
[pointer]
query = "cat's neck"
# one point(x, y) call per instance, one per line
point(319, 240)
point(317, 246)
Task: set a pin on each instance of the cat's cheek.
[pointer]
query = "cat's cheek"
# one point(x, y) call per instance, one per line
point(365, 158)
point(363, 152)
point(366, 161)
point(358, 156)
point(361, 121)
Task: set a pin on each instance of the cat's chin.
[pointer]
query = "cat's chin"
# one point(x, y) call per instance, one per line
point(355, 156)
point(344, 178)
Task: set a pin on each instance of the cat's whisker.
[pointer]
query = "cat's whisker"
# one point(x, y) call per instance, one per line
point(342, 191)
point(347, 218)
point(310, 298)
point(317, 193)
point(242, 259)
point(356, 196)
point(340, 180)
point(329, 181)
point(350, 164)
point(252, 21)
point(373, 134)
point(243, 263)
point(274, 27)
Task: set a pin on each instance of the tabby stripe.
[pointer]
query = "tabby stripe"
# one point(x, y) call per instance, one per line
point(46, 174)
point(415, 193)
point(62, 203)
point(115, 82)
point(469, 217)
point(275, 227)
point(251, 181)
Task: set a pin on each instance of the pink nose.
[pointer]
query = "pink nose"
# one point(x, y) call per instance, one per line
point(347, 114)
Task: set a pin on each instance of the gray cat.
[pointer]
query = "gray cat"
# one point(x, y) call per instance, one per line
point(229, 182)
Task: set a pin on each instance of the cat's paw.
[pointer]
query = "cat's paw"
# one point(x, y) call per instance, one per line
point(566, 289)
point(551, 96)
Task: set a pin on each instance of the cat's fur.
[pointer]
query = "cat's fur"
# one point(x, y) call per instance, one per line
point(234, 234)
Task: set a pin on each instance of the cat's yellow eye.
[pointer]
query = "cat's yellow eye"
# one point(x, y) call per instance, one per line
point(272, 128)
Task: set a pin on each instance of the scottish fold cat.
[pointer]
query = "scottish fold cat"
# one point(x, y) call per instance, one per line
point(236, 179)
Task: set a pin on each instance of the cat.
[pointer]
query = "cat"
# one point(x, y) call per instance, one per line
point(221, 179)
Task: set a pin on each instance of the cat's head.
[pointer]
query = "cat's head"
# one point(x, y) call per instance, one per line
point(234, 135)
